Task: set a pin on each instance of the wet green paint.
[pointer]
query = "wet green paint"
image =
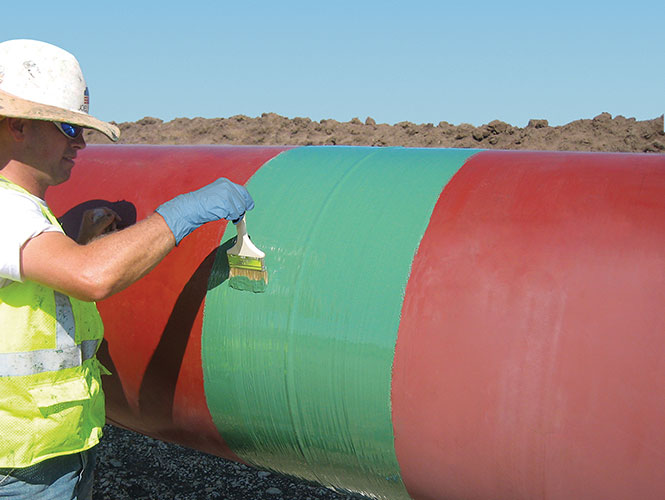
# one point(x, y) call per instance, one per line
point(298, 378)
point(246, 284)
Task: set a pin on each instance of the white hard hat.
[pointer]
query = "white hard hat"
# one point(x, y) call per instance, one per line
point(40, 81)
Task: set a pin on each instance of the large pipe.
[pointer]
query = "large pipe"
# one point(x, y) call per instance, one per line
point(437, 323)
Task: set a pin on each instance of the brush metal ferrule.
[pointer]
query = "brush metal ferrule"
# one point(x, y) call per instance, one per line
point(243, 262)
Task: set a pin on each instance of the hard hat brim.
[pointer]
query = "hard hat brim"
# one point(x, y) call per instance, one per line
point(16, 107)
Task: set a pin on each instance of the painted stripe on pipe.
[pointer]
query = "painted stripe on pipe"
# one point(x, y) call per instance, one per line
point(298, 378)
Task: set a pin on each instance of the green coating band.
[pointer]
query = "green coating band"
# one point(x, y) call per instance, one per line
point(298, 378)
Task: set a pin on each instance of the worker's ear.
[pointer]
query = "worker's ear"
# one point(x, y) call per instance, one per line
point(16, 128)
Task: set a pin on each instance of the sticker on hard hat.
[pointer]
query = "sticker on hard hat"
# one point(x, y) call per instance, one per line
point(86, 101)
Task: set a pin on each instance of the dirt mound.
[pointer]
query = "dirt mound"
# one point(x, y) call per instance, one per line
point(602, 133)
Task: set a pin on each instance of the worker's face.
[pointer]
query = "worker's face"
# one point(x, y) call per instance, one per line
point(50, 152)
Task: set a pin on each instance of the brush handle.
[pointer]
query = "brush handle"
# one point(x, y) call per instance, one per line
point(244, 246)
point(241, 227)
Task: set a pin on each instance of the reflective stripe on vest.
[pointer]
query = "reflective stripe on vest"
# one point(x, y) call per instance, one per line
point(66, 354)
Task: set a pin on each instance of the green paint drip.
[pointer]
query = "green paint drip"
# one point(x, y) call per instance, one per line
point(298, 378)
point(246, 284)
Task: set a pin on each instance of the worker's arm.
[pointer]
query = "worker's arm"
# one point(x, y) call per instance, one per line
point(111, 263)
point(100, 268)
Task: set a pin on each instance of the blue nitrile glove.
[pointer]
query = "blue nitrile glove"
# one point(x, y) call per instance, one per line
point(221, 199)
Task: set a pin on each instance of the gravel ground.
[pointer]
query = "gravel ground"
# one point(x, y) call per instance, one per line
point(131, 466)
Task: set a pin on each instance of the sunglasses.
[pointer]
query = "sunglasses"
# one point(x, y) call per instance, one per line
point(71, 131)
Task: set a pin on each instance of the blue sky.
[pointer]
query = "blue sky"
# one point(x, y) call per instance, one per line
point(418, 61)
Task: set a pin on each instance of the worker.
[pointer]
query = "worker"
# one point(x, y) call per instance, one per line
point(51, 399)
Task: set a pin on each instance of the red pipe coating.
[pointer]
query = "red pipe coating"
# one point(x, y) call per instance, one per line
point(530, 356)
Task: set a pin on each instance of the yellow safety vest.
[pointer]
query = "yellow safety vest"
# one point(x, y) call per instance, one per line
point(51, 398)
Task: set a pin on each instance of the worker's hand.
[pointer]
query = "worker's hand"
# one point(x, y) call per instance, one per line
point(222, 199)
point(96, 222)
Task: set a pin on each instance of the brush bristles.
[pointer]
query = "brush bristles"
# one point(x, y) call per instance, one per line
point(251, 274)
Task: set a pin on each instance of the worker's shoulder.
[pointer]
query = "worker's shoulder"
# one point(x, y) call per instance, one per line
point(15, 204)
point(10, 197)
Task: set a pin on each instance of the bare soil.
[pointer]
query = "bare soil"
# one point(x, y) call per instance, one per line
point(602, 133)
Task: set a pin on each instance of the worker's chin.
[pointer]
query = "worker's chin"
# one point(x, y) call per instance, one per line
point(61, 177)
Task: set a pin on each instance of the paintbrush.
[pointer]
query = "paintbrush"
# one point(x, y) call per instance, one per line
point(247, 269)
